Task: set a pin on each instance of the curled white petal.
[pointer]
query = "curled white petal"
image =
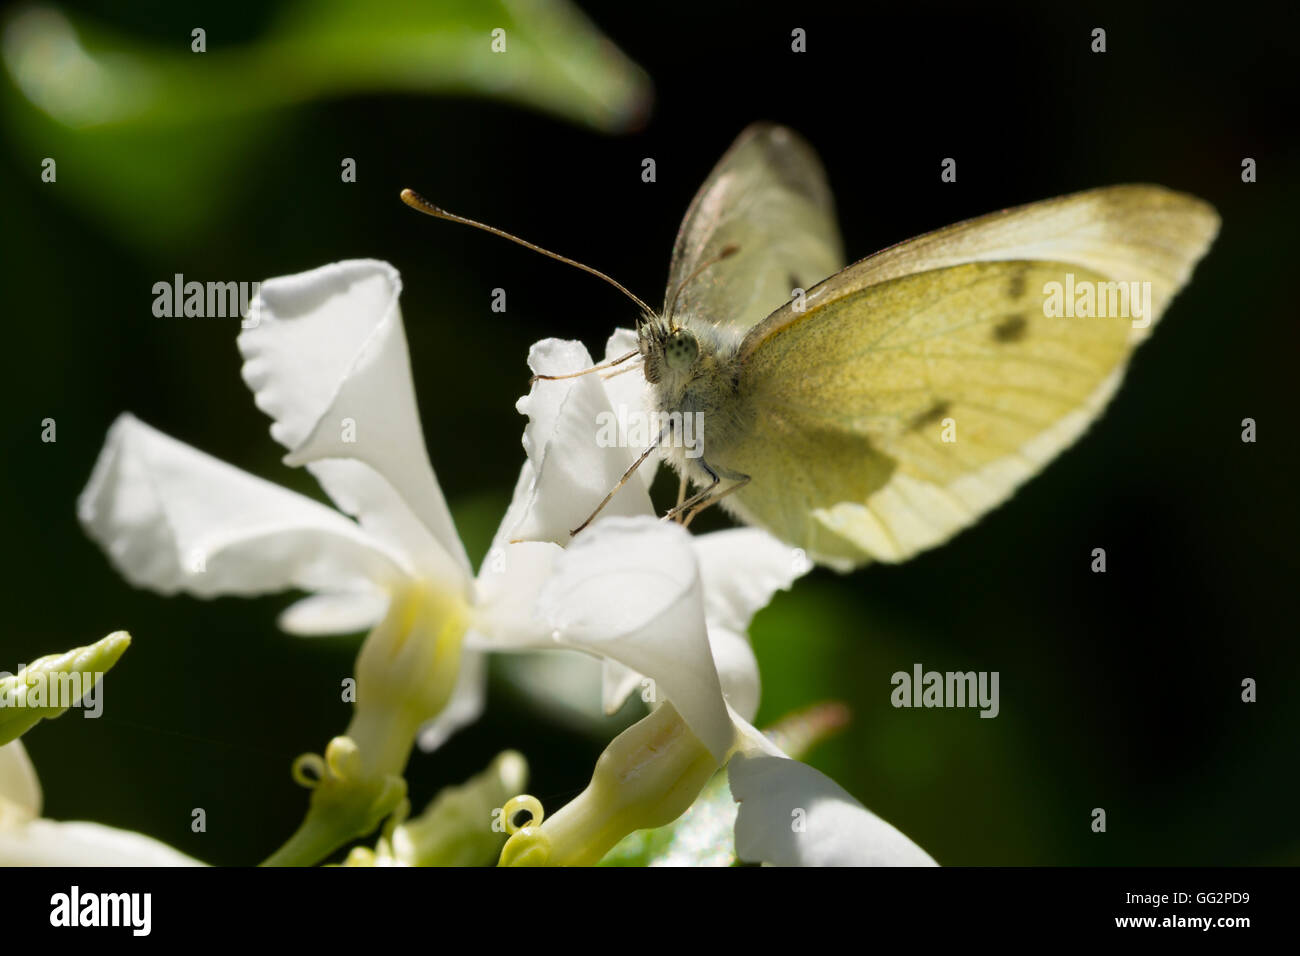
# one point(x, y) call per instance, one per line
point(572, 444)
point(793, 815)
point(172, 518)
point(616, 685)
point(345, 613)
point(52, 843)
point(629, 589)
point(626, 387)
point(737, 669)
point(732, 656)
point(742, 569)
point(327, 360)
point(362, 492)
point(506, 595)
point(465, 705)
point(516, 511)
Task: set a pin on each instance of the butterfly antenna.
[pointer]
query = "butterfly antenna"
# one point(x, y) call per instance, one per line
point(726, 252)
point(416, 201)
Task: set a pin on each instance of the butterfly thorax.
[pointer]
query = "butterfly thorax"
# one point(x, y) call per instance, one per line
point(692, 374)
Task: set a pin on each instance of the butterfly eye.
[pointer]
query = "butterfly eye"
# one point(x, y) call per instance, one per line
point(681, 350)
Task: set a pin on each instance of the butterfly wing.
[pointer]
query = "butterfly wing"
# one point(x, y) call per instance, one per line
point(921, 386)
point(769, 199)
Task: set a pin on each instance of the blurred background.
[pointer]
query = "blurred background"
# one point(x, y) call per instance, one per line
point(1120, 691)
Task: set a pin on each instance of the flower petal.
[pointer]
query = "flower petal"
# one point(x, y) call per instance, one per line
point(50, 843)
point(516, 511)
point(362, 492)
point(737, 669)
point(737, 673)
point(572, 470)
point(19, 785)
point(629, 589)
point(465, 705)
point(627, 388)
point(507, 589)
point(337, 613)
point(328, 362)
point(616, 684)
point(173, 519)
point(742, 569)
point(793, 815)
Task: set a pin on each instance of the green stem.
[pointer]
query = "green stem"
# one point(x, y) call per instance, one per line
point(309, 844)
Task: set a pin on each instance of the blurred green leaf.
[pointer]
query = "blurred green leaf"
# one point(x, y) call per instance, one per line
point(137, 127)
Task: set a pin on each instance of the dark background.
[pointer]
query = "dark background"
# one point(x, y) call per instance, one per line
point(1119, 690)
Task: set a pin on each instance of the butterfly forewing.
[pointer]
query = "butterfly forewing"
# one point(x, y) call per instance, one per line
point(921, 386)
point(1130, 232)
point(767, 198)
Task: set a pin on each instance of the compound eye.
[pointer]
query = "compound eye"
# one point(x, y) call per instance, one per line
point(681, 350)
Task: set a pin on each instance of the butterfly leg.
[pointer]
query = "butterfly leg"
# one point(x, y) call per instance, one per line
point(681, 490)
point(740, 482)
point(705, 497)
point(621, 482)
point(695, 498)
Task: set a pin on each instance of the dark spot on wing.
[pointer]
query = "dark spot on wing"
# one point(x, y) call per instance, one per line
point(795, 283)
point(932, 415)
point(1011, 329)
point(1016, 285)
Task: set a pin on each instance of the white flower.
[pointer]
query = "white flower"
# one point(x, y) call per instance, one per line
point(28, 840)
point(656, 627)
point(328, 362)
point(624, 579)
point(656, 601)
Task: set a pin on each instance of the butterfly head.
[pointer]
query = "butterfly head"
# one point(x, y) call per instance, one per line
point(669, 353)
point(671, 350)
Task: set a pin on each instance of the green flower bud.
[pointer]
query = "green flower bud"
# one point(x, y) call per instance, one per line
point(47, 687)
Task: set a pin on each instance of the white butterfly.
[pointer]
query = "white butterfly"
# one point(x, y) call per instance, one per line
point(898, 399)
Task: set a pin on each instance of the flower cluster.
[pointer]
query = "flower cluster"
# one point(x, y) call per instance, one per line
point(664, 611)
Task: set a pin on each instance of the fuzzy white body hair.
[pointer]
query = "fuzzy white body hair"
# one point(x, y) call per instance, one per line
point(707, 388)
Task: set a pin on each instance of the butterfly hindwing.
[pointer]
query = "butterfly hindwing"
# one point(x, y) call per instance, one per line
point(767, 198)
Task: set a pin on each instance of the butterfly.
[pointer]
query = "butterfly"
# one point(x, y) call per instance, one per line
point(871, 411)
